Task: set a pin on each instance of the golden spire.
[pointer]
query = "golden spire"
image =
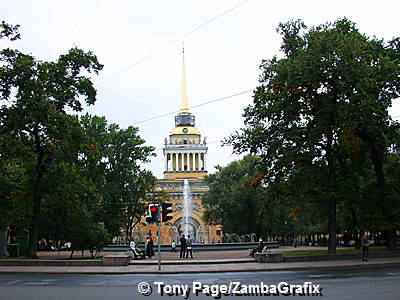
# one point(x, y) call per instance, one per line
point(184, 97)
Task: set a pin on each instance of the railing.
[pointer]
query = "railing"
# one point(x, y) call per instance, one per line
point(185, 146)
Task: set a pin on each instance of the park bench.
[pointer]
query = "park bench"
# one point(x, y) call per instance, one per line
point(137, 253)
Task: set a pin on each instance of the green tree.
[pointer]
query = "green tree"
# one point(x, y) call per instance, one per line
point(69, 193)
point(234, 197)
point(14, 209)
point(35, 97)
point(136, 205)
point(115, 168)
point(331, 82)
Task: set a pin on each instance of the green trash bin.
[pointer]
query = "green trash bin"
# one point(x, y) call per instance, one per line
point(22, 240)
point(14, 250)
point(3, 236)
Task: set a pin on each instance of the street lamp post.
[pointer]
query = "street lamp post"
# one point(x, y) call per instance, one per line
point(285, 236)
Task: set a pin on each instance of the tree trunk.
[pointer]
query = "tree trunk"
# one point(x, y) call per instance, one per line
point(391, 240)
point(34, 228)
point(377, 155)
point(37, 198)
point(332, 200)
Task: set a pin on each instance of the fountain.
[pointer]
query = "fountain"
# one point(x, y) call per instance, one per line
point(253, 237)
point(174, 233)
point(187, 204)
point(202, 234)
point(236, 237)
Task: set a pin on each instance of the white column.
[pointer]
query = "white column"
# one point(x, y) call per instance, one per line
point(166, 162)
point(205, 165)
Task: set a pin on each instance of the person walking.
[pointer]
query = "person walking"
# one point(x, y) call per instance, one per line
point(364, 247)
point(182, 240)
point(189, 243)
point(147, 248)
point(151, 244)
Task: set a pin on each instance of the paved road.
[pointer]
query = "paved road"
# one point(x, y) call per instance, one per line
point(374, 284)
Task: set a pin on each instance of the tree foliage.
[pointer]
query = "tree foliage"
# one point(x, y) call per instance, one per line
point(234, 199)
point(115, 166)
point(34, 120)
point(321, 104)
point(65, 178)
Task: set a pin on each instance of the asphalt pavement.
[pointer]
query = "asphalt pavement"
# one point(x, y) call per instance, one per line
point(209, 275)
point(349, 284)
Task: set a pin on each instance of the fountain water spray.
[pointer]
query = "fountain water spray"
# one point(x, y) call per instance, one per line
point(187, 205)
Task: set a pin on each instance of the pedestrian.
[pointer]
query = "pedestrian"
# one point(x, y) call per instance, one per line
point(151, 244)
point(364, 247)
point(173, 246)
point(147, 247)
point(189, 247)
point(182, 240)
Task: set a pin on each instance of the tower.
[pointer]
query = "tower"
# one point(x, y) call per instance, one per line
point(184, 170)
point(184, 152)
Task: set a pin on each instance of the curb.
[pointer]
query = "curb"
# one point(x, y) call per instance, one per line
point(191, 262)
point(287, 268)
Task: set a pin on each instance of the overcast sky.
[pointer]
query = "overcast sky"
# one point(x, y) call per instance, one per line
point(222, 57)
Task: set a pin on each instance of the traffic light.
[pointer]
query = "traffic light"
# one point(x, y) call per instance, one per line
point(166, 211)
point(153, 214)
point(149, 219)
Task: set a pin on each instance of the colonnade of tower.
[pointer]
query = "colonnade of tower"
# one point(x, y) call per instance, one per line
point(185, 161)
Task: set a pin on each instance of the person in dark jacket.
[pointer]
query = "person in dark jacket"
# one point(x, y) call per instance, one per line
point(151, 245)
point(364, 247)
point(182, 240)
point(258, 249)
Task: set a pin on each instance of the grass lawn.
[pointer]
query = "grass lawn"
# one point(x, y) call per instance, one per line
point(338, 251)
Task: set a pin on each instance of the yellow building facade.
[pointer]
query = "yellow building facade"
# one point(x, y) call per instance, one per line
point(185, 166)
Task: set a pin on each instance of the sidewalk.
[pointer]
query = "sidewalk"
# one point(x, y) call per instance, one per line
point(214, 266)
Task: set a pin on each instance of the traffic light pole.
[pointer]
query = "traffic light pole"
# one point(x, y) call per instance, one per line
point(155, 216)
point(158, 239)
